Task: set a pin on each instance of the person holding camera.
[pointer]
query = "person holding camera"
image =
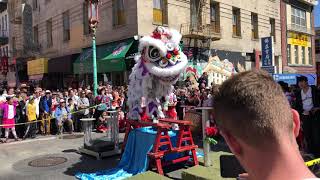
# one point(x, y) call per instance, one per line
point(254, 117)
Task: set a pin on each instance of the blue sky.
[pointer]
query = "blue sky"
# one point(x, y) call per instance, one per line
point(317, 15)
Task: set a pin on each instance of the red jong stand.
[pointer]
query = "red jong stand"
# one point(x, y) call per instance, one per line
point(163, 145)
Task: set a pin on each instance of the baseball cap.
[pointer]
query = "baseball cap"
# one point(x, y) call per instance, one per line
point(48, 91)
point(62, 101)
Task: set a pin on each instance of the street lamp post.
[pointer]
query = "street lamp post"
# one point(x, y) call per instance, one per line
point(93, 14)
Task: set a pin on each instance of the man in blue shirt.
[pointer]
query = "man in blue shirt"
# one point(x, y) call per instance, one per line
point(63, 115)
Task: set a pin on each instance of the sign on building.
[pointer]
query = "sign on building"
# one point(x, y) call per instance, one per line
point(267, 54)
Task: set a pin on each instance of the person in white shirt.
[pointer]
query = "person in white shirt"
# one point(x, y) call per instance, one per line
point(307, 104)
point(83, 104)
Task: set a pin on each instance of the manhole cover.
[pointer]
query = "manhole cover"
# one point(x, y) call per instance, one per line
point(47, 161)
point(72, 136)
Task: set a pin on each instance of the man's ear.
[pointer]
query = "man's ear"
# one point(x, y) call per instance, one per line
point(296, 122)
point(232, 142)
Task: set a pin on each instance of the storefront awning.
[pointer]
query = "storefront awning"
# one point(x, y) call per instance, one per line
point(110, 58)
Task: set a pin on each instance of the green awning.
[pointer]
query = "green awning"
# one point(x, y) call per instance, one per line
point(110, 58)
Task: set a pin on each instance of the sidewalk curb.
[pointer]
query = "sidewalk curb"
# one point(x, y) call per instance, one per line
point(29, 140)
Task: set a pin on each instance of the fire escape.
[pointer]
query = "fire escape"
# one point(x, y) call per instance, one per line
point(20, 14)
point(204, 25)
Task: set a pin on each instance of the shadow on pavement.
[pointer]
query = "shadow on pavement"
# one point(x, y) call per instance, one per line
point(70, 151)
point(88, 164)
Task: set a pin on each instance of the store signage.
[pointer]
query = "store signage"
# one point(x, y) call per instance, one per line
point(269, 69)
point(298, 39)
point(118, 50)
point(38, 66)
point(291, 79)
point(267, 51)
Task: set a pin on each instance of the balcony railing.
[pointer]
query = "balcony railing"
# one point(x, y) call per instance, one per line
point(211, 31)
point(301, 29)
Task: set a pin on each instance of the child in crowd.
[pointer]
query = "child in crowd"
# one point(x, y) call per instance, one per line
point(31, 116)
point(102, 122)
point(9, 112)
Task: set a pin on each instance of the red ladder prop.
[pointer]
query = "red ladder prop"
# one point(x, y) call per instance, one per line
point(163, 145)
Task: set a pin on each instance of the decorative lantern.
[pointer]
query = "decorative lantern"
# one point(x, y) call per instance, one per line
point(93, 13)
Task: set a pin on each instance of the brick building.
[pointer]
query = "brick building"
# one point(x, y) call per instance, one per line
point(297, 24)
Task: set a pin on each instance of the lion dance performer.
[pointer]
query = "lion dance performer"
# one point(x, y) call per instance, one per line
point(158, 67)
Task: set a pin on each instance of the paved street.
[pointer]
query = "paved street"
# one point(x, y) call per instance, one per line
point(17, 156)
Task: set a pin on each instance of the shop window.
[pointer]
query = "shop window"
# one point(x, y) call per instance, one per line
point(160, 12)
point(296, 54)
point(215, 16)
point(254, 26)
point(49, 33)
point(303, 55)
point(119, 16)
point(236, 22)
point(289, 54)
point(66, 26)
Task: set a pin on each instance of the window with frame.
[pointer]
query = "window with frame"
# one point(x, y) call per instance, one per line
point(66, 26)
point(86, 27)
point(49, 33)
point(289, 54)
point(303, 55)
point(236, 22)
point(273, 28)
point(254, 26)
point(317, 45)
point(296, 54)
point(7, 51)
point(298, 18)
point(34, 4)
point(6, 22)
point(160, 12)
point(13, 42)
point(2, 22)
point(119, 16)
point(215, 15)
point(310, 56)
point(35, 35)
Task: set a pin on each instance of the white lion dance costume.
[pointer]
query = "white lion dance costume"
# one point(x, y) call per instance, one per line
point(157, 68)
